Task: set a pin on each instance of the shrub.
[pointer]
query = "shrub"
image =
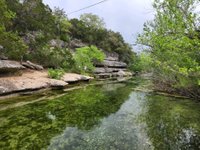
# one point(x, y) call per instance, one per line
point(55, 73)
point(85, 57)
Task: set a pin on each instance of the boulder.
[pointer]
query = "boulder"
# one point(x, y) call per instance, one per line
point(75, 43)
point(72, 77)
point(57, 83)
point(10, 66)
point(57, 43)
point(31, 65)
point(31, 36)
point(122, 73)
point(3, 57)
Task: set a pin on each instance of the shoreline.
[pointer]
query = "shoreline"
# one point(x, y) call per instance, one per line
point(31, 81)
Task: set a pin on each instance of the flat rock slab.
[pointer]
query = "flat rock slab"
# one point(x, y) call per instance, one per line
point(34, 80)
point(112, 58)
point(107, 70)
point(112, 64)
point(30, 80)
point(10, 66)
point(72, 77)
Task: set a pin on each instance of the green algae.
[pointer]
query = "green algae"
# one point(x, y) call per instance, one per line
point(101, 117)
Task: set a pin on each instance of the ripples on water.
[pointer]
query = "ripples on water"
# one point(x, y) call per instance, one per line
point(107, 117)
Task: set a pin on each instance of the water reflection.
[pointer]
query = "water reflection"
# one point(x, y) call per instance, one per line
point(111, 116)
point(121, 130)
point(34, 125)
point(173, 123)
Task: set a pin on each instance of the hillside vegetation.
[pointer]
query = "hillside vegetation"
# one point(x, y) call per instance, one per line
point(28, 27)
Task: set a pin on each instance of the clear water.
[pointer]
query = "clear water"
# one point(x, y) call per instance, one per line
point(104, 117)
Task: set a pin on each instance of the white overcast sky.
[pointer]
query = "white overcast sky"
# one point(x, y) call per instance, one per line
point(124, 16)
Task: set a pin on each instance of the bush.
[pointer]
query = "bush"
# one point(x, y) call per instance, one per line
point(56, 73)
point(85, 57)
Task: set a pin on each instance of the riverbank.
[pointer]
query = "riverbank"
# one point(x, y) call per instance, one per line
point(32, 80)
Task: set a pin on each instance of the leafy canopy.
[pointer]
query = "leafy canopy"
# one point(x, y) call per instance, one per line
point(92, 21)
point(174, 42)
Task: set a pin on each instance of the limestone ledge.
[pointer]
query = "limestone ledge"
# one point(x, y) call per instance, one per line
point(34, 80)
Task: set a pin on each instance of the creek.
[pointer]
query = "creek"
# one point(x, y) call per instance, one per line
point(111, 116)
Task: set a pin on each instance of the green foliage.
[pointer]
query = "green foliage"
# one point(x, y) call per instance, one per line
point(81, 109)
point(174, 42)
point(94, 117)
point(56, 73)
point(14, 47)
point(32, 15)
point(114, 42)
point(142, 63)
point(52, 57)
point(6, 14)
point(85, 57)
point(92, 21)
point(62, 24)
point(37, 24)
point(102, 38)
point(33, 21)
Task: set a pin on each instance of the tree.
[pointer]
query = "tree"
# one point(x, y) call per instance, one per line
point(92, 21)
point(13, 46)
point(85, 57)
point(174, 44)
point(62, 23)
point(103, 39)
point(32, 15)
point(142, 63)
point(78, 30)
